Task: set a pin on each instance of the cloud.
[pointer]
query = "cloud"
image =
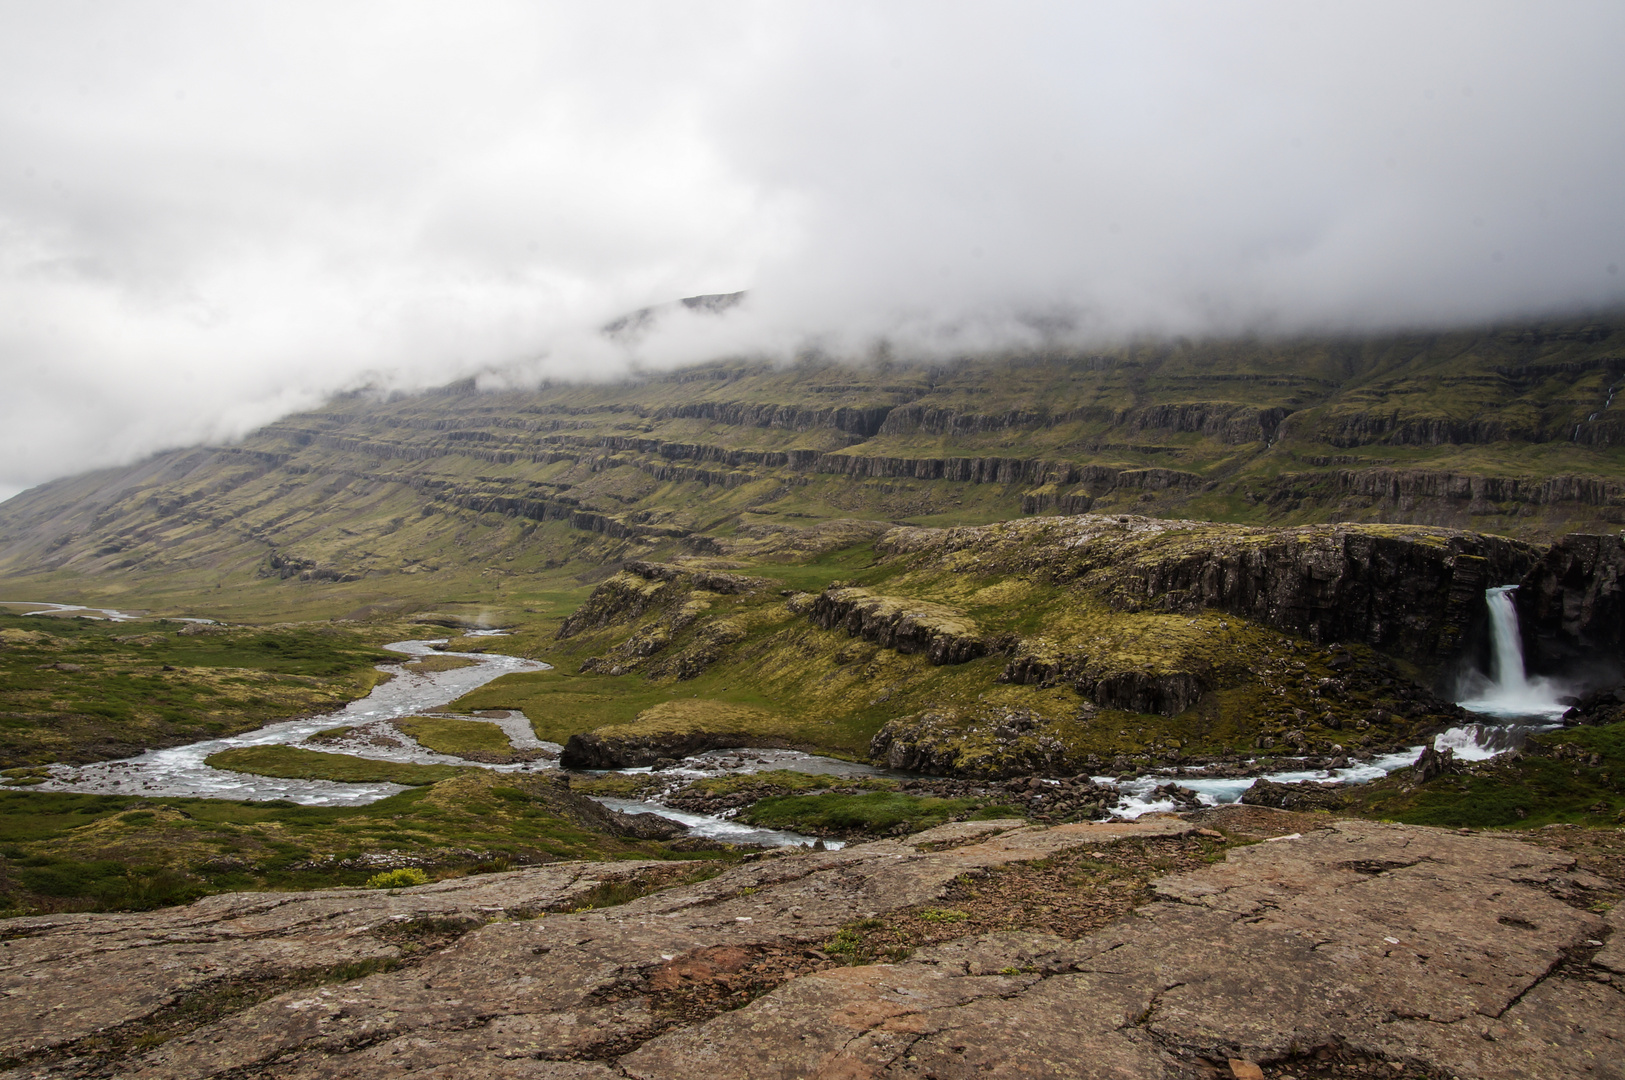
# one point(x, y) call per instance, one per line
point(211, 214)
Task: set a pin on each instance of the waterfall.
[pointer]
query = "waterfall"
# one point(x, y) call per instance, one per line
point(1510, 692)
point(1508, 669)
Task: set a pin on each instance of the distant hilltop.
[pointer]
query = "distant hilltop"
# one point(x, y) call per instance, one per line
point(640, 321)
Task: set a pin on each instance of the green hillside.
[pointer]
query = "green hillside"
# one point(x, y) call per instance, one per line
point(496, 503)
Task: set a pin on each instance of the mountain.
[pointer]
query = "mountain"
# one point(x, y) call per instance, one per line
point(497, 499)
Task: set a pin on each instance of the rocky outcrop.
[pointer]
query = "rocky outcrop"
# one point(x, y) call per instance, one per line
point(980, 743)
point(1605, 706)
point(1228, 422)
point(944, 635)
point(1304, 795)
point(860, 421)
point(584, 811)
point(1438, 486)
point(1364, 428)
point(282, 566)
point(1167, 692)
point(1003, 470)
point(1410, 595)
point(641, 587)
point(709, 580)
point(620, 598)
point(1440, 953)
point(1571, 604)
point(592, 750)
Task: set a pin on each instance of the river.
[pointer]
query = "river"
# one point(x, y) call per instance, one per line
point(180, 770)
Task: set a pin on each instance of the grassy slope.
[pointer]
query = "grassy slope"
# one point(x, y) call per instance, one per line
point(391, 492)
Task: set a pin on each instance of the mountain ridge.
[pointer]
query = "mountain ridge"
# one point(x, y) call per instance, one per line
point(1503, 431)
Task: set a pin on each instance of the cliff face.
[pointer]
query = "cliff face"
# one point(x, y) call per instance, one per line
point(1571, 604)
point(1411, 592)
point(1413, 596)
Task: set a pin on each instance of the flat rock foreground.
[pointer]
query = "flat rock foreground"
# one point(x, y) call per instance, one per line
point(1345, 948)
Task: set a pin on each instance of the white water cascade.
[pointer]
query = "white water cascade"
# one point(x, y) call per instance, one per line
point(1510, 693)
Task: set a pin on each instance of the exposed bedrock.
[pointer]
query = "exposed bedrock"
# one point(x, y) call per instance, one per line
point(1470, 956)
point(1571, 605)
point(944, 635)
point(594, 751)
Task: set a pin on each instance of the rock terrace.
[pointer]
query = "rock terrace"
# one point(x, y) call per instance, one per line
point(1447, 954)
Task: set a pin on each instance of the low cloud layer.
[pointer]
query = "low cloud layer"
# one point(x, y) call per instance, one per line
point(212, 214)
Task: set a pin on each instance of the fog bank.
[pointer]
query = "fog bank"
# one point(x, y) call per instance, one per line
point(213, 214)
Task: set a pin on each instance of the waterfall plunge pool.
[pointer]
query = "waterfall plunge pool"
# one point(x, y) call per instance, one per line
point(1514, 704)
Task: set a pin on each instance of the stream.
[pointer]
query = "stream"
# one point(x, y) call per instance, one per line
point(179, 771)
point(1512, 706)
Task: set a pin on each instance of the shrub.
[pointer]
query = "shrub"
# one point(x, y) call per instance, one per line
point(403, 878)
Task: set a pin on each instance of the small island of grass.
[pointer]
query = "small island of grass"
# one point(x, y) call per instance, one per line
point(292, 763)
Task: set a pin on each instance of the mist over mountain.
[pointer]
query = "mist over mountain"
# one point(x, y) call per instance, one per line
point(211, 217)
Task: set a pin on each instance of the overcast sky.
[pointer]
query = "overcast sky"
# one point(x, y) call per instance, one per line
point(212, 214)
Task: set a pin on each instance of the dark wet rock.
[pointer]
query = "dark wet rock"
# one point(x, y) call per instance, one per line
point(1184, 798)
point(1303, 795)
point(1431, 763)
point(1598, 707)
point(1571, 604)
point(594, 751)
